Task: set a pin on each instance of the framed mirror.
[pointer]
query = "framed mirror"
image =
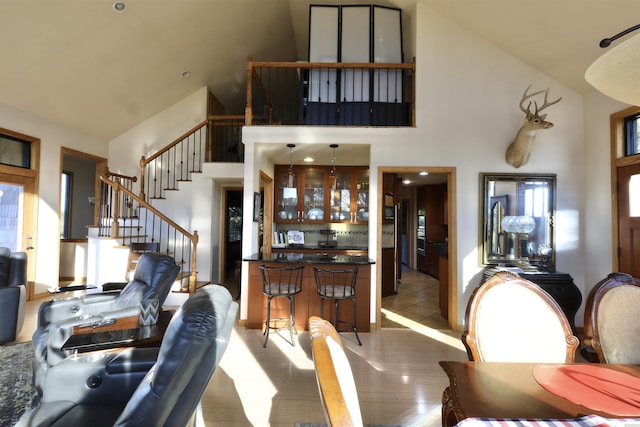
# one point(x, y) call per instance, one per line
point(517, 220)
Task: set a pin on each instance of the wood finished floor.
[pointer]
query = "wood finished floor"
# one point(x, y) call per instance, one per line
point(396, 369)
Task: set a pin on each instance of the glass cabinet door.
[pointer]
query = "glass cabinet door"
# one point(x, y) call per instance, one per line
point(362, 196)
point(286, 203)
point(314, 184)
point(340, 202)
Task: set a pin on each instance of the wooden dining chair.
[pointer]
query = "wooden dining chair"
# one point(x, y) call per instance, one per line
point(611, 320)
point(337, 387)
point(510, 319)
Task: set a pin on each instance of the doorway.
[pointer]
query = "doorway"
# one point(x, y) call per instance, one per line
point(19, 158)
point(625, 169)
point(79, 185)
point(423, 299)
point(232, 239)
point(629, 218)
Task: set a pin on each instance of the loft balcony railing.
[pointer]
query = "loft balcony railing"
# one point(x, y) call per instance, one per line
point(330, 94)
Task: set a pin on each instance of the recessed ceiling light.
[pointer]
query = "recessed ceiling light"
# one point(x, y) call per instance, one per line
point(308, 159)
point(424, 173)
point(406, 182)
point(184, 74)
point(119, 6)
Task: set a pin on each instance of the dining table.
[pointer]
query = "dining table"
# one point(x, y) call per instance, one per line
point(494, 393)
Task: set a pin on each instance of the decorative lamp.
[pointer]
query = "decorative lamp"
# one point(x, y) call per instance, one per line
point(519, 227)
point(292, 175)
point(617, 72)
point(333, 175)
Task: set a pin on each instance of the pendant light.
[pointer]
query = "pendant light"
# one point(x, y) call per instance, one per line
point(617, 72)
point(333, 176)
point(292, 175)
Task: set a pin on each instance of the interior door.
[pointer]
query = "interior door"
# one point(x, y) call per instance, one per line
point(18, 218)
point(629, 219)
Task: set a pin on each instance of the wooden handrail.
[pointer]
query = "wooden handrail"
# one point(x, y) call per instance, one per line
point(175, 142)
point(117, 175)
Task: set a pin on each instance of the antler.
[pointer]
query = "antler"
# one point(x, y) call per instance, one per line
point(525, 97)
point(546, 104)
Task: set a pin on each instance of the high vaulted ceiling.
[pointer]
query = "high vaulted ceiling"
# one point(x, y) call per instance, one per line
point(85, 66)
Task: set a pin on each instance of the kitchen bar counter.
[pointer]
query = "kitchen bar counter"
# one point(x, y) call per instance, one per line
point(308, 301)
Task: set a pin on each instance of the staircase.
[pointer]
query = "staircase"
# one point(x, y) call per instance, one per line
point(126, 213)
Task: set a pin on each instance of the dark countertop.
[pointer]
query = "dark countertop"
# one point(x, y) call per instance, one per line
point(324, 248)
point(302, 258)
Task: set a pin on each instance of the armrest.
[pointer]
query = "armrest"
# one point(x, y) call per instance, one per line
point(55, 311)
point(104, 377)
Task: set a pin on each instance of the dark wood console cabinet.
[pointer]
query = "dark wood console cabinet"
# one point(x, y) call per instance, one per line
point(559, 285)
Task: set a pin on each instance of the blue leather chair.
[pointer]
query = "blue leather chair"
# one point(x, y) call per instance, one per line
point(131, 388)
point(13, 293)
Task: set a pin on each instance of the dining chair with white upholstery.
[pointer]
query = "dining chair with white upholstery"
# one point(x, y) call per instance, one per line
point(510, 319)
point(611, 320)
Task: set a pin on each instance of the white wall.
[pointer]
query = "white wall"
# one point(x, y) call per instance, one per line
point(155, 133)
point(467, 96)
point(598, 214)
point(52, 137)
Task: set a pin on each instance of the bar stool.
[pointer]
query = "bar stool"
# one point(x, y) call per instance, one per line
point(281, 282)
point(338, 285)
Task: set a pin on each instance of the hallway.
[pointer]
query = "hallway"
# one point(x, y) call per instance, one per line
point(416, 301)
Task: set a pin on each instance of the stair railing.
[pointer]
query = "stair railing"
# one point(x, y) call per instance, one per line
point(124, 216)
point(176, 162)
point(216, 139)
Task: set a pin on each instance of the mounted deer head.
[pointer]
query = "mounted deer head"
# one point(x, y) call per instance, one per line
point(519, 150)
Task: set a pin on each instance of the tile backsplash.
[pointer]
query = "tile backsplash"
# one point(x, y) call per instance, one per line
point(353, 235)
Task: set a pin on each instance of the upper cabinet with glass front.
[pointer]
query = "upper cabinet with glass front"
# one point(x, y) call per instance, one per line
point(517, 220)
point(349, 200)
point(317, 199)
point(300, 194)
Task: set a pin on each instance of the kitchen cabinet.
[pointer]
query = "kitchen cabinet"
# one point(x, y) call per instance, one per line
point(388, 272)
point(349, 200)
point(300, 197)
point(309, 196)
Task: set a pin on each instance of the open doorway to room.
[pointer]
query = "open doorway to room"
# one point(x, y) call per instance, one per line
point(424, 199)
point(232, 246)
point(79, 184)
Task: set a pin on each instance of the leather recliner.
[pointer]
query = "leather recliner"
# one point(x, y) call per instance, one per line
point(13, 293)
point(120, 388)
point(152, 279)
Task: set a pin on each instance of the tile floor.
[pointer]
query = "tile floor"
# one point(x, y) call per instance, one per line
point(396, 371)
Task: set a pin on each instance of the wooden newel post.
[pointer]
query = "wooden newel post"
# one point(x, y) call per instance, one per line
point(142, 163)
point(115, 226)
point(248, 111)
point(193, 275)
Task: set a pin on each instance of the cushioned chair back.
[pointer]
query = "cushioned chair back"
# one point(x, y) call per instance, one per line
point(13, 293)
point(612, 323)
point(334, 376)
point(191, 349)
point(13, 268)
point(153, 277)
point(510, 319)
